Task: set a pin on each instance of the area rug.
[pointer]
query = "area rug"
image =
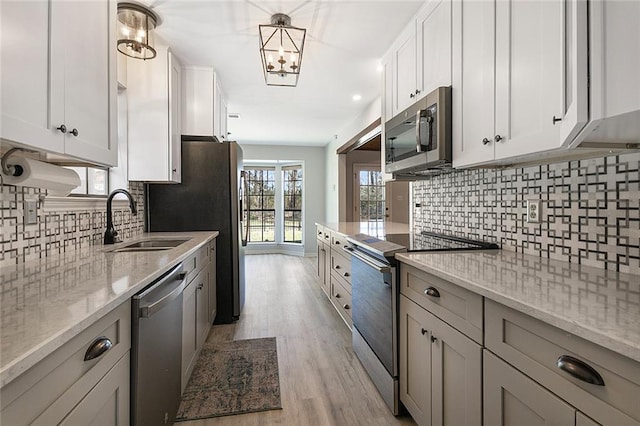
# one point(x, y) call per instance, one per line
point(233, 377)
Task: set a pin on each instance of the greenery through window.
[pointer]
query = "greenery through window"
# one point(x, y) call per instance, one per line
point(292, 185)
point(274, 201)
point(372, 208)
point(261, 194)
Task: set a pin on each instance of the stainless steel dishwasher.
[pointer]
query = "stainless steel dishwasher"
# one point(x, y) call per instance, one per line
point(157, 350)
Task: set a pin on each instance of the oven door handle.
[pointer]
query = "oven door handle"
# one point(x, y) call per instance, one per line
point(378, 266)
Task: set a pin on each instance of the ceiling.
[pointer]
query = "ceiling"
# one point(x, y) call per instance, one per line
point(345, 40)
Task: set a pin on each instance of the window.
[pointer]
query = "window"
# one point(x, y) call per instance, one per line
point(292, 208)
point(275, 203)
point(369, 194)
point(261, 203)
point(93, 181)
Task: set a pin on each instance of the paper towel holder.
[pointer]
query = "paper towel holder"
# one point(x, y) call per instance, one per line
point(11, 170)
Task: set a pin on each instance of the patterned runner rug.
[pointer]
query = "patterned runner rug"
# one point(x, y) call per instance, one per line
point(234, 377)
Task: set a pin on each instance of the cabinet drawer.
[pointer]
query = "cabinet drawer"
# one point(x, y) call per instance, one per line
point(535, 347)
point(341, 299)
point(58, 382)
point(194, 263)
point(341, 266)
point(338, 241)
point(455, 305)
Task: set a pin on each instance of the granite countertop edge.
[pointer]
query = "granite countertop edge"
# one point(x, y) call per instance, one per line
point(12, 369)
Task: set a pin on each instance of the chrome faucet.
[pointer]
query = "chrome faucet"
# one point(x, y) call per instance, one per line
point(111, 233)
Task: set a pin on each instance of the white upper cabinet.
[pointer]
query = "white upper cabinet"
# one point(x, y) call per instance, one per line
point(154, 94)
point(59, 77)
point(204, 109)
point(433, 29)
point(420, 59)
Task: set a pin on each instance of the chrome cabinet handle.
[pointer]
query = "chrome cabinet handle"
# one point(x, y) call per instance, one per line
point(579, 369)
point(485, 141)
point(62, 128)
point(432, 291)
point(498, 138)
point(99, 346)
point(74, 132)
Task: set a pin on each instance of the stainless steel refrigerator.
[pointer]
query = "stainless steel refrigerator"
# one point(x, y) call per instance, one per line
point(209, 198)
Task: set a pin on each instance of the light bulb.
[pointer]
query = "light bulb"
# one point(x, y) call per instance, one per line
point(270, 59)
point(293, 58)
point(141, 34)
point(126, 31)
point(281, 52)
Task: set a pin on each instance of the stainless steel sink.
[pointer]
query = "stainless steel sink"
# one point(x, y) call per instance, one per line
point(148, 245)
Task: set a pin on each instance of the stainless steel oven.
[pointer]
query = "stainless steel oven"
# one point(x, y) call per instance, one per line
point(374, 298)
point(418, 139)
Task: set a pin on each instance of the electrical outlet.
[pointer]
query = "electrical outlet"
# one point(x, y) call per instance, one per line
point(533, 211)
point(30, 212)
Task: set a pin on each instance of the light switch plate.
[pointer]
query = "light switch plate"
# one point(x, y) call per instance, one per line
point(533, 211)
point(30, 212)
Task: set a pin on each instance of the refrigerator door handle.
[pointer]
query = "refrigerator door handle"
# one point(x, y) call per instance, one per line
point(244, 215)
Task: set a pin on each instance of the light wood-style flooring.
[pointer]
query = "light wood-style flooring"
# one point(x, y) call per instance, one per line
point(321, 380)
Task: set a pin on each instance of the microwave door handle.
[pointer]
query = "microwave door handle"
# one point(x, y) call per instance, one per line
point(418, 133)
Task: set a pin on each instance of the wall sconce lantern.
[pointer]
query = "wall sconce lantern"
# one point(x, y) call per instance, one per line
point(281, 47)
point(136, 23)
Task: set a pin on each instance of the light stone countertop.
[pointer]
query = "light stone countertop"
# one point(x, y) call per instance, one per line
point(600, 306)
point(47, 302)
point(374, 229)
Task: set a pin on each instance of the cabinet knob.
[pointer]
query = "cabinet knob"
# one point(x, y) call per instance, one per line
point(346, 306)
point(423, 331)
point(337, 266)
point(346, 274)
point(337, 242)
point(174, 170)
point(411, 95)
point(200, 286)
point(337, 295)
point(498, 138)
point(486, 141)
point(62, 128)
point(417, 91)
point(555, 120)
point(97, 348)
point(433, 339)
point(74, 132)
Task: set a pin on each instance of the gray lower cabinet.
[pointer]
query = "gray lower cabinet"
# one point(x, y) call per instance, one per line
point(511, 398)
point(107, 403)
point(440, 370)
point(212, 282)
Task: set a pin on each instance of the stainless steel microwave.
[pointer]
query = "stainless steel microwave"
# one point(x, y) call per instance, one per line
point(418, 140)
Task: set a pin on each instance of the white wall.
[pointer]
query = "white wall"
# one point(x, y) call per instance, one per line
point(369, 114)
point(314, 178)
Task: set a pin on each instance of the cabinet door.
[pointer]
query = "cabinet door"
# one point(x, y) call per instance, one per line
point(326, 282)
point(202, 307)
point(322, 258)
point(107, 403)
point(175, 116)
point(456, 381)
point(189, 339)
point(433, 37)
point(87, 71)
point(404, 69)
point(24, 80)
point(530, 40)
point(511, 398)
point(415, 360)
point(473, 82)
point(212, 282)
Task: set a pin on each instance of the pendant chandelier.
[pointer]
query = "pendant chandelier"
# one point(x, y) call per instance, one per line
point(281, 48)
point(135, 25)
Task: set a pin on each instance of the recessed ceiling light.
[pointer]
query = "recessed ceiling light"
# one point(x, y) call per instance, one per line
point(356, 97)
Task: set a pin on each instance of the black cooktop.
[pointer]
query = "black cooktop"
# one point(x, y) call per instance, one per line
point(430, 241)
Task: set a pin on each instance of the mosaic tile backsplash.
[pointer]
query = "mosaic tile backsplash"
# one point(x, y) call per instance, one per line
point(590, 209)
point(58, 231)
